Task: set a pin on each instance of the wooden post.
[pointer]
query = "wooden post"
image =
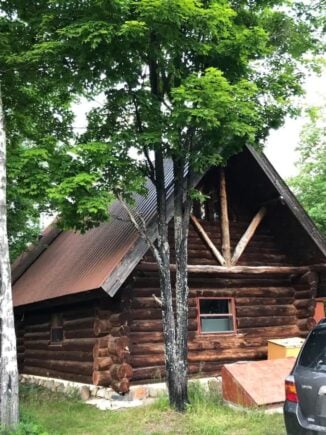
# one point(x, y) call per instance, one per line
point(225, 227)
point(247, 236)
point(208, 241)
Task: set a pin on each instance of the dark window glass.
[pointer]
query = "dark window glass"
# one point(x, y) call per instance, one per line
point(56, 328)
point(214, 306)
point(314, 352)
point(56, 335)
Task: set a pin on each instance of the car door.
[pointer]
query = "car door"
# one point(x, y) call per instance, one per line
point(310, 378)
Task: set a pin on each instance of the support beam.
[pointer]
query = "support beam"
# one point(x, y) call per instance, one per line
point(225, 227)
point(208, 241)
point(255, 270)
point(247, 236)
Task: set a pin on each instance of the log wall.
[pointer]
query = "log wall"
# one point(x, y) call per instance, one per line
point(94, 347)
point(267, 307)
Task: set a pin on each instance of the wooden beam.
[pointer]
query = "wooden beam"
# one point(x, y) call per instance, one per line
point(255, 270)
point(225, 227)
point(247, 236)
point(208, 241)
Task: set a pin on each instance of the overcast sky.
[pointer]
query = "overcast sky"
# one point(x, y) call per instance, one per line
point(281, 144)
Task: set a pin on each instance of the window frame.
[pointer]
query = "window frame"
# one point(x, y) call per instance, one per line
point(54, 320)
point(232, 314)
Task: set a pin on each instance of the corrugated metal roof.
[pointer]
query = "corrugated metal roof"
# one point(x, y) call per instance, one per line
point(74, 263)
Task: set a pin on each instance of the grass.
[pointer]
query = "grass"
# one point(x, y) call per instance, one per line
point(47, 413)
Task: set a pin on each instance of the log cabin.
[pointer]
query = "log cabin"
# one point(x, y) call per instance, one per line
point(87, 306)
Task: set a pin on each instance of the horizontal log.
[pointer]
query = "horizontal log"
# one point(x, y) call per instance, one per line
point(155, 373)
point(306, 324)
point(145, 337)
point(79, 344)
point(60, 355)
point(227, 354)
point(247, 322)
point(102, 378)
point(102, 363)
point(79, 314)
point(262, 292)
point(291, 270)
point(281, 331)
point(149, 302)
point(304, 303)
point(146, 286)
point(147, 360)
point(39, 344)
point(156, 313)
point(81, 323)
point(156, 325)
point(306, 312)
point(40, 371)
point(303, 294)
point(38, 327)
point(265, 310)
point(120, 371)
point(151, 348)
point(79, 333)
point(257, 301)
point(44, 335)
point(83, 368)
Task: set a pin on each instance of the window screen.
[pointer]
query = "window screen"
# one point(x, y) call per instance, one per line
point(216, 315)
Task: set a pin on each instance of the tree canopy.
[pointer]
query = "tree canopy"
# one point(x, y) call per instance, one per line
point(310, 183)
point(38, 119)
point(199, 78)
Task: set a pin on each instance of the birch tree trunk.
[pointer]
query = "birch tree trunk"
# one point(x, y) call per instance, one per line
point(8, 356)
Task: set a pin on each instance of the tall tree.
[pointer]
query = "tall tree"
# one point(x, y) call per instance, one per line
point(310, 183)
point(8, 366)
point(37, 117)
point(190, 80)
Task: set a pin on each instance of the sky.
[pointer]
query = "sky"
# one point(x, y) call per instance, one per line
point(282, 143)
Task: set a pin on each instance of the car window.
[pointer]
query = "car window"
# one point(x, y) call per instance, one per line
point(314, 352)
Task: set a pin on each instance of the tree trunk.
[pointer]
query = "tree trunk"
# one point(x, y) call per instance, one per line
point(8, 358)
point(168, 318)
point(181, 227)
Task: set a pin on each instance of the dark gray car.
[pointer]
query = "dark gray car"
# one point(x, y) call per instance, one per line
point(305, 405)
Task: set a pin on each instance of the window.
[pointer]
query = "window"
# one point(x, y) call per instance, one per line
point(216, 315)
point(313, 354)
point(56, 329)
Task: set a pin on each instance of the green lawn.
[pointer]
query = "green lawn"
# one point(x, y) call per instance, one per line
point(44, 412)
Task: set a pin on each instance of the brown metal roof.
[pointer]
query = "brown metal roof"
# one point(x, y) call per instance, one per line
point(74, 263)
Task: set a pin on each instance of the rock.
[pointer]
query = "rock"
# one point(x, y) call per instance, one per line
point(85, 393)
